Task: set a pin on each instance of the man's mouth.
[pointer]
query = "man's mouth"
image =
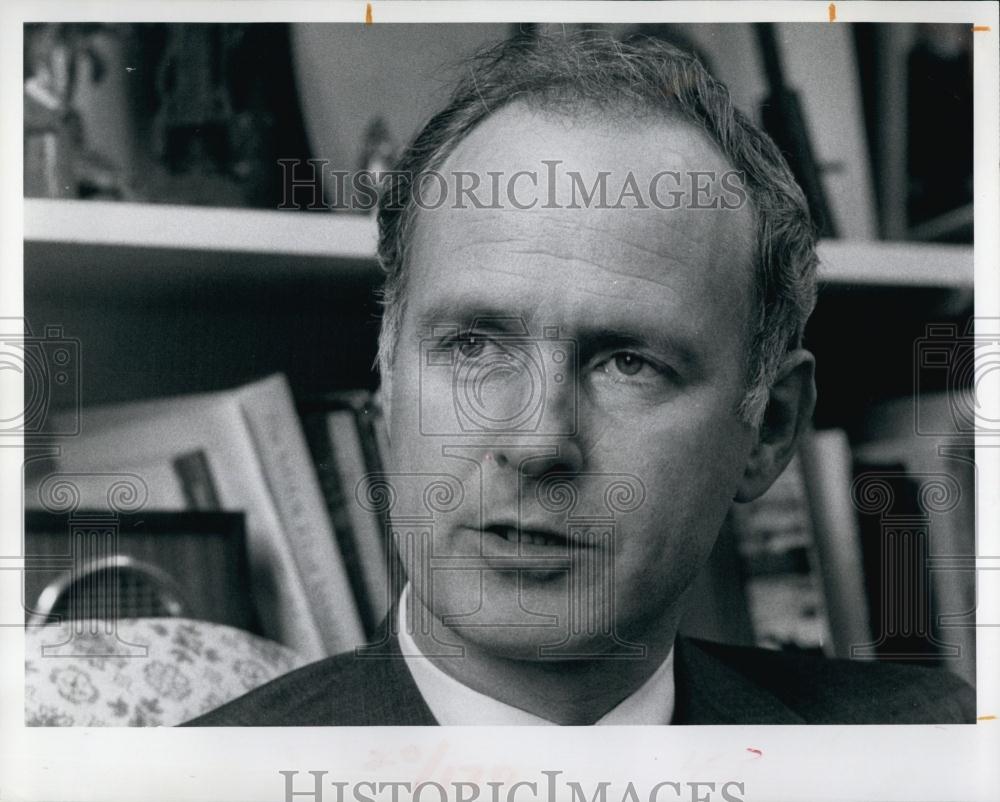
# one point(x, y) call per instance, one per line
point(525, 536)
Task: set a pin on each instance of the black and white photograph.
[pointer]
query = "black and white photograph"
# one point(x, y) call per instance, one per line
point(389, 381)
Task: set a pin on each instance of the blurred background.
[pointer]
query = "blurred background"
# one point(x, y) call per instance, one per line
point(199, 114)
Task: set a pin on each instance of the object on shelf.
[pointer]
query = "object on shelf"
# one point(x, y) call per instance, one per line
point(923, 448)
point(939, 157)
point(377, 157)
point(774, 538)
point(92, 563)
point(66, 65)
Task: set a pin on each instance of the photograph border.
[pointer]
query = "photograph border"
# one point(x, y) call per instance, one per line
point(772, 763)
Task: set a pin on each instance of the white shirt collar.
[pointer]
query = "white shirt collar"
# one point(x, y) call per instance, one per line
point(455, 704)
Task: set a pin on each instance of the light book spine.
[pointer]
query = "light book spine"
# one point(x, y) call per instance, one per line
point(827, 469)
point(369, 539)
point(281, 444)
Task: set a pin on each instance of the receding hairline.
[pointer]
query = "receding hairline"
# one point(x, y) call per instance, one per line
point(584, 112)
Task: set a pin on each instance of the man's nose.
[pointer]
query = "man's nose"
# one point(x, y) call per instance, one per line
point(535, 454)
point(555, 455)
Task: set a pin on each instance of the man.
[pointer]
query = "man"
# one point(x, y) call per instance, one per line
point(584, 365)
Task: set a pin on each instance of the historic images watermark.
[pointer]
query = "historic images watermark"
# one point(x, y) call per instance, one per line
point(311, 185)
point(551, 786)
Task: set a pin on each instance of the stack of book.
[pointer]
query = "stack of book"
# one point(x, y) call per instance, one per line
point(316, 562)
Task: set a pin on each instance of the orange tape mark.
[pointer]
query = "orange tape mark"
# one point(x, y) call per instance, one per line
point(832, 10)
point(980, 27)
point(986, 718)
point(368, 14)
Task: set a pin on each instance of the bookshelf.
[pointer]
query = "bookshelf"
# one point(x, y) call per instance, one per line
point(345, 243)
point(292, 241)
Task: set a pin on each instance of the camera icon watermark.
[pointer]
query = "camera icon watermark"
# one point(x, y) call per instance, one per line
point(496, 378)
point(49, 366)
point(966, 365)
point(905, 603)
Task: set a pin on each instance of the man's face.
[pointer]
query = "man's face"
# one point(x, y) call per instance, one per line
point(547, 355)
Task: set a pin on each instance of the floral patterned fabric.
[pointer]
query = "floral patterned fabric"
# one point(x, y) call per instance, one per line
point(149, 672)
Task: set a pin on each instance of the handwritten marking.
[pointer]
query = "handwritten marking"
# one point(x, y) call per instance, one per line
point(832, 11)
point(368, 13)
point(757, 752)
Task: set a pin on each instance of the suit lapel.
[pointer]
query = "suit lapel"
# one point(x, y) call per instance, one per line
point(710, 692)
point(390, 697)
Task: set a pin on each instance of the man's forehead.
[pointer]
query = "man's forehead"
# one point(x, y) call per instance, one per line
point(595, 201)
point(523, 136)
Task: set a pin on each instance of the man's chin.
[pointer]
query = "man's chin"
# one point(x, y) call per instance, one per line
point(541, 631)
point(555, 645)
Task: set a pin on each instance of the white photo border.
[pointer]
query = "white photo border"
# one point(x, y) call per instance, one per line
point(774, 763)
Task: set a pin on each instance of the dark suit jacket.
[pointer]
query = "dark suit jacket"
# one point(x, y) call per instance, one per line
point(715, 684)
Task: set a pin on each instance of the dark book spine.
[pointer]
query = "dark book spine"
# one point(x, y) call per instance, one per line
point(369, 419)
point(196, 480)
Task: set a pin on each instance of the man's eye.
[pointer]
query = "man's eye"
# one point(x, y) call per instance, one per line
point(469, 345)
point(629, 363)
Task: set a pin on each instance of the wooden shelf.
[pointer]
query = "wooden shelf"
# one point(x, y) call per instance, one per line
point(902, 264)
point(127, 250)
point(107, 223)
point(265, 241)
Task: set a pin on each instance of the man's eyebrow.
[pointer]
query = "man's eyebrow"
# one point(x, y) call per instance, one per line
point(456, 312)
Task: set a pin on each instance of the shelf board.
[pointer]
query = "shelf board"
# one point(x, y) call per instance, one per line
point(903, 264)
point(275, 241)
point(200, 228)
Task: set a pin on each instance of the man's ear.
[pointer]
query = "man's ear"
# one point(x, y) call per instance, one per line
point(787, 415)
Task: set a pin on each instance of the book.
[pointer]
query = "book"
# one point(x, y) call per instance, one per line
point(828, 473)
point(196, 481)
point(153, 476)
point(340, 431)
point(260, 462)
point(924, 445)
point(317, 437)
point(784, 589)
